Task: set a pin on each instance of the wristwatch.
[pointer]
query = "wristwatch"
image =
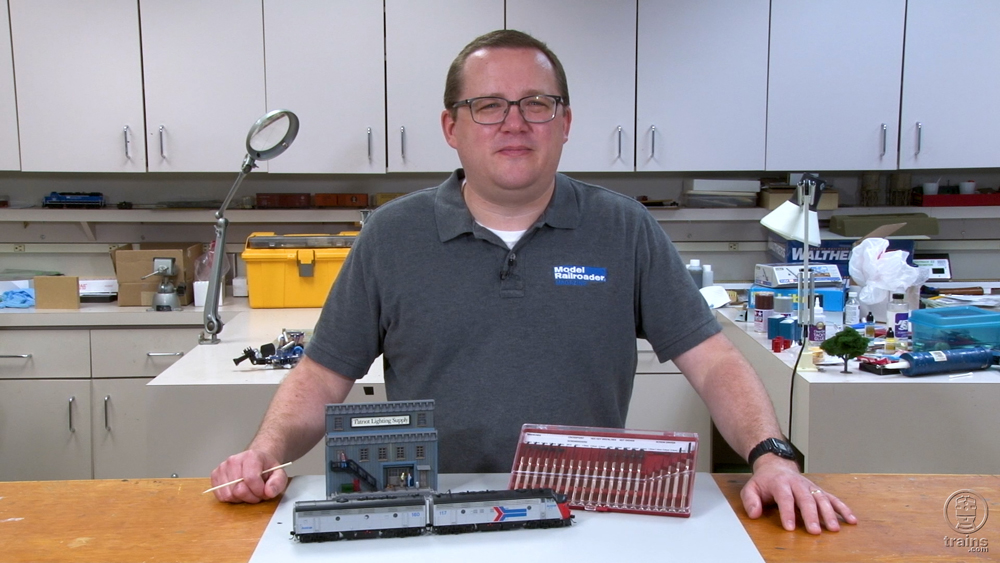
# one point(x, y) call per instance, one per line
point(776, 446)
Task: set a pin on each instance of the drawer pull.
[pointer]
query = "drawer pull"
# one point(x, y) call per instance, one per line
point(107, 425)
point(71, 401)
point(158, 354)
point(15, 356)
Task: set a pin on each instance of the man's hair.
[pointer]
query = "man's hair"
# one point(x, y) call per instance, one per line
point(500, 39)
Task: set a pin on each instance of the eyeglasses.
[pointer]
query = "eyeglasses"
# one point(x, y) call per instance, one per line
point(490, 110)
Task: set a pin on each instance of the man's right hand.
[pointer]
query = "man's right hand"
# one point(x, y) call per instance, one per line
point(254, 487)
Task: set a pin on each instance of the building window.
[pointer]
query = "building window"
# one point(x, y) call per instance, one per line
point(422, 419)
point(420, 452)
point(363, 454)
point(383, 453)
point(400, 452)
point(338, 423)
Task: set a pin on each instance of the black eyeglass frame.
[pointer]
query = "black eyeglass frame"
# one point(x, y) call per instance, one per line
point(468, 102)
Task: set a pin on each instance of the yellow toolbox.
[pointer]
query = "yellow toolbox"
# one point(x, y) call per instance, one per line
point(293, 270)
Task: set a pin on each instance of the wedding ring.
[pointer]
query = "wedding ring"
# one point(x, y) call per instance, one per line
point(815, 491)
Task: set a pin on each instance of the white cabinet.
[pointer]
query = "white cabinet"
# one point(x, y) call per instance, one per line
point(701, 92)
point(662, 399)
point(950, 117)
point(203, 65)
point(595, 41)
point(118, 427)
point(326, 63)
point(421, 40)
point(79, 86)
point(44, 429)
point(10, 158)
point(834, 83)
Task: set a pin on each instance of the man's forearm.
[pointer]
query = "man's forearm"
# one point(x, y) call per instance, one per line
point(295, 419)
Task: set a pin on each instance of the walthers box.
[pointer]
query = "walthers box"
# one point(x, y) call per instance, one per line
point(948, 328)
point(837, 251)
point(293, 270)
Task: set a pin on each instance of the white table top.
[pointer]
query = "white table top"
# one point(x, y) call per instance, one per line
point(712, 533)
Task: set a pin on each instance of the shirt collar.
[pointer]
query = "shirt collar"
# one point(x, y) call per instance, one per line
point(453, 217)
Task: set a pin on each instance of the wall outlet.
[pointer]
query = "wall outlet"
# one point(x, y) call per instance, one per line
point(18, 248)
point(734, 246)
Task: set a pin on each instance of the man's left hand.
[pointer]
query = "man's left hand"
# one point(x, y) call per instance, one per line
point(778, 481)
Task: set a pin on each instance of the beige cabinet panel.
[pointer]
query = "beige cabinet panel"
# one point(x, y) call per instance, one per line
point(26, 354)
point(666, 401)
point(139, 353)
point(119, 428)
point(45, 430)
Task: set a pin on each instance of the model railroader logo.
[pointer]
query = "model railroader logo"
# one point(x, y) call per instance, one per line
point(966, 512)
point(579, 275)
point(366, 421)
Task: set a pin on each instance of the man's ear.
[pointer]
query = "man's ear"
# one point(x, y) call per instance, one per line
point(567, 120)
point(448, 128)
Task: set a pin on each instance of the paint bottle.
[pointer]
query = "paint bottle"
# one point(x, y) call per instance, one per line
point(852, 309)
point(890, 341)
point(763, 307)
point(870, 325)
point(697, 272)
point(817, 330)
point(898, 316)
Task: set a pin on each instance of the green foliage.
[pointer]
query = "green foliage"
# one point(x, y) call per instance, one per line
point(846, 344)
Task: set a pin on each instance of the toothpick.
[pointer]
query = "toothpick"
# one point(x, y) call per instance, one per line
point(217, 487)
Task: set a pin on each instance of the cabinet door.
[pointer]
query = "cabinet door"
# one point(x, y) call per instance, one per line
point(701, 92)
point(203, 65)
point(119, 427)
point(421, 40)
point(597, 48)
point(833, 89)
point(10, 156)
point(950, 85)
point(79, 85)
point(326, 63)
point(45, 430)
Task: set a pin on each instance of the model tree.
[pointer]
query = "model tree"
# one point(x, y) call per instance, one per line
point(846, 344)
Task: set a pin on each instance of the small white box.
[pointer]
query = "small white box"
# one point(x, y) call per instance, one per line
point(787, 275)
point(98, 286)
point(240, 288)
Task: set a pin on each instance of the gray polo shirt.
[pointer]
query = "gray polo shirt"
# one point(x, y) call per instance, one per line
point(542, 333)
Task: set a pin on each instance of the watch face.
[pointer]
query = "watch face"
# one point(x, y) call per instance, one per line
point(782, 448)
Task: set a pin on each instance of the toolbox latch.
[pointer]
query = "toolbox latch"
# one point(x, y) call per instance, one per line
point(306, 260)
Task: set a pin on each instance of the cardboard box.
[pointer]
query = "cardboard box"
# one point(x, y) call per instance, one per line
point(771, 198)
point(787, 275)
point(57, 292)
point(863, 225)
point(829, 251)
point(132, 264)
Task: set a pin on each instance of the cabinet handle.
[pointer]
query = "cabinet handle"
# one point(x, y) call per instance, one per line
point(402, 142)
point(71, 401)
point(884, 135)
point(163, 143)
point(652, 135)
point(157, 354)
point(107, 425)
point(920, 131)
point(369, 144)
point(619, 141)
point(15, 355)
point(128, 148)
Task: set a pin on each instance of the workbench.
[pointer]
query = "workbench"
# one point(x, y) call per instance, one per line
point(862, 422)
point(900, 519)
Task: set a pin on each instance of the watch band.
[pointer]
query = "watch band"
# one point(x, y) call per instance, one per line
point(777, 446)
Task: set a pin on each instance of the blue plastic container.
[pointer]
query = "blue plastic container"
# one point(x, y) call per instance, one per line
point(949, 328)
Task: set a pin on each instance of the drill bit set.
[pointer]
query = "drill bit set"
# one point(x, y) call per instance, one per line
point(609, 469)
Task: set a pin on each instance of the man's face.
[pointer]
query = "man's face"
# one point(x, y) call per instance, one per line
point(514, 155)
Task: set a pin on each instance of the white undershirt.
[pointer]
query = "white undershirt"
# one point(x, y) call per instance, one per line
point(509, 238)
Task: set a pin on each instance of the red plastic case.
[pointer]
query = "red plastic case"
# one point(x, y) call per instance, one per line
point(609, 469)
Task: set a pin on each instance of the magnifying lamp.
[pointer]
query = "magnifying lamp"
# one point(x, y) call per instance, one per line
point(269, 137)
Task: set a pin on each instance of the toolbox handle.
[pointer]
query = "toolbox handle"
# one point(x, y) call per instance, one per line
point(306, 259)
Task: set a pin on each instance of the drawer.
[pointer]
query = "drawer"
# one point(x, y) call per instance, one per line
point(48, 354)
point(142, 352)
point(649, 363)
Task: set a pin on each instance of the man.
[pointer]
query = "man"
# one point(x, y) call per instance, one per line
point(513, 294)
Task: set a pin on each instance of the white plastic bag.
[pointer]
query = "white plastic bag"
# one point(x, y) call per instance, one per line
point(881, 272)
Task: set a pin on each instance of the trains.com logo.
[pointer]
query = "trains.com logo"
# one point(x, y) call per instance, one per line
point(966, 513)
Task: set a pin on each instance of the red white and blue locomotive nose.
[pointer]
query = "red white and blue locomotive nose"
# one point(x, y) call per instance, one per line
point(509, 513)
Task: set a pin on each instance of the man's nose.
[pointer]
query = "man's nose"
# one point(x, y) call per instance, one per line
point(514, 120)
